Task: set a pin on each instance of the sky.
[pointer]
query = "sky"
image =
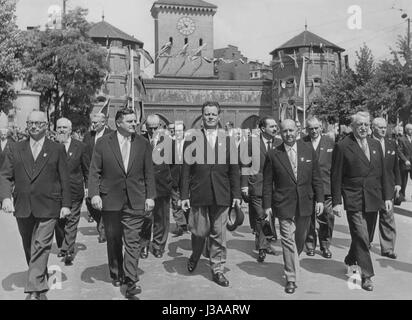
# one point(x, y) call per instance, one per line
point(256, 26)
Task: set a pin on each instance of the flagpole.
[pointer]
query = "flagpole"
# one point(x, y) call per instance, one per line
point(132, 75)
point(304, 92)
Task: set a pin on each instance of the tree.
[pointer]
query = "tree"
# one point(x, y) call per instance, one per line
point(365, 66)
point(11, 48)
point(66, 67)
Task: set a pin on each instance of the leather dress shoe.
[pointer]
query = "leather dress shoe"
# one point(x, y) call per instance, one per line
point(61, 254)
point(262, 255)
point(367, 284)
point(191, 265)
point(391, 255)
point(117, 282)
point(68, 259)
point(269, 250)
point(349, 262)
point(326, 253)
point(220, 279)
point(144, 253)
point(310, 253)
point(132, 289)
point(101, 239)
point(157, 253)
point(290, 287)
point(33, 296)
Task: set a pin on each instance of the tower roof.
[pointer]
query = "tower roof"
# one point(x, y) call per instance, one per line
point(105, 30)
point(307, 39)
point(186, 3)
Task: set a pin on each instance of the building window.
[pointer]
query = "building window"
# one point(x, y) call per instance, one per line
point(186, 40)
point(171, 40)
point(200, 42)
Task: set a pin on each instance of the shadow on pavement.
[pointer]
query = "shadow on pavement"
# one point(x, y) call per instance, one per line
point(96, 273)
point(341, 228)
point(17, 279)
point(403, 212)
point(341, 243)
point(248, 247)
point(184, 244)
point(273, 271)
point(398, 265)
point(77, 247)
point(329, 267)
point(88, 231)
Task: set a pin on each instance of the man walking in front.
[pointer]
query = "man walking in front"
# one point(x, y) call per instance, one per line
point(121, 185)
point(358, 175)
point(38, 170)
point(291, 183)
point(209, 187)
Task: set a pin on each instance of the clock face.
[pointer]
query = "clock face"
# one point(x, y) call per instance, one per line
point(186, 26)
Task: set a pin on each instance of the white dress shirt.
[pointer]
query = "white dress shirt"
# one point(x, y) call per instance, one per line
point(382, 142)
point(124, 142)
point(67, 144)
point(211, 136)
point(366, 146)
point(315, 142)
point(293, 149)
point(99, 135)
point(265, 141)
point(3, 144)
point(39, 146)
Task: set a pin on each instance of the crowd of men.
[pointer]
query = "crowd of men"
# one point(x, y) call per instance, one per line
point(131, 181)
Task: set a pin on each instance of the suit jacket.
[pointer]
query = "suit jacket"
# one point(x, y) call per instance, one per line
point(78, 162)
point(210, 184)
point(41, 187)
point(5, 150)
point(324, 153)
point(163, 176)
point(405, 152)
point(287, 195)
point(363, 184)
point(255, 182)
point(89, 140)
point(115, 184)
point(392, 163)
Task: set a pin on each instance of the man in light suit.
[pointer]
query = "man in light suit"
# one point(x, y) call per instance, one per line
point(291, 183)
point(121, 185)
point(252, 184)
point(78, 164)
point(156, 226)
point(405, 155)
point(37, 167)
point(358, 175)
point(210, 185)
point(323, 145)
point(99, 129)
point(387, 227)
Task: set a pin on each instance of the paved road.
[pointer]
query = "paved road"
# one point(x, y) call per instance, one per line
point(167, 278)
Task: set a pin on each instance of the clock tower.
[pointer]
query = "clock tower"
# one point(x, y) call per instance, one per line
point(183, 38)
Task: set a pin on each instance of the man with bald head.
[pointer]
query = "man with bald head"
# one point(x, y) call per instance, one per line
point(405, 155)
point(35, 174)
point(358, 175)
point(78, 164)
point(387, 229)
point(293, 192)
point(98, 129)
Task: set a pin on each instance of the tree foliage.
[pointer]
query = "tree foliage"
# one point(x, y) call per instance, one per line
point(66, 66)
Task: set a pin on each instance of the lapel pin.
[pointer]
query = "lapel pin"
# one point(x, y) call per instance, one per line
point(374, 152)
point(45, 155)
point(70, 154)
point(302, 159)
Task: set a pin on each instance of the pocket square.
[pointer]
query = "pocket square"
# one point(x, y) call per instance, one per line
point(70, 154)
point(374, 151)
point(329, 150)
point(308, 160)
point(302, 159)
point(45, 155)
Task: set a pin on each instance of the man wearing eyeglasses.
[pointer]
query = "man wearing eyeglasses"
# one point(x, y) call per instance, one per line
point(37, 167)
point(323, 223)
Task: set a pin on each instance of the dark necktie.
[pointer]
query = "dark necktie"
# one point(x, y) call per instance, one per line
point(269, 142)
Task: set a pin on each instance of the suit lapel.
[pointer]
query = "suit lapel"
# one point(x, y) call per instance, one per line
point(357, 150)
point(114, 144)
point(133, 150)
point(27, 157)
point(71, 151)
point(42, 158)
point(284, 160)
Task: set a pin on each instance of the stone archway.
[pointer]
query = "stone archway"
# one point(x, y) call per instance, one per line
point(250, 122)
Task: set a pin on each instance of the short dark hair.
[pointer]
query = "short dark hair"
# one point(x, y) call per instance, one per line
point(123, 112)
point(263, 122)
point(211, 104)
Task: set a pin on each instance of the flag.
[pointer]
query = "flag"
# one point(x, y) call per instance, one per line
point(302, 79)
point(242, 61)
point(139, 83)
point(280, 60)
point(279, 87)
point(105, 108)
point(139, 111)
point(166, 47)
point(146, 55)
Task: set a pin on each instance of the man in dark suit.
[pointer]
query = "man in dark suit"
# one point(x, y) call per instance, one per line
point(358, 175)
point(405, 155)
point(210, 185)
point(38, 170)
point(387, 227)
point(157, 224)
point(291, 182)
point(121, 185)
point(251, 185)
point(323, 224)
point(5, 142)
point(78, 164)
point(98, 129)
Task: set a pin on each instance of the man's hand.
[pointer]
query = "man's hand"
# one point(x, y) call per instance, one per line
point(97, 203)
point(179, 203)
point(388, 205)
point(268, 213)
point(186, 204)
point(337, 210)
point(7, 205)
point(149, 205)
point(236, 202)
point(407, 163)
point(64, 212)
point(86, 193)
point(318, 208)
point(397, 190)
